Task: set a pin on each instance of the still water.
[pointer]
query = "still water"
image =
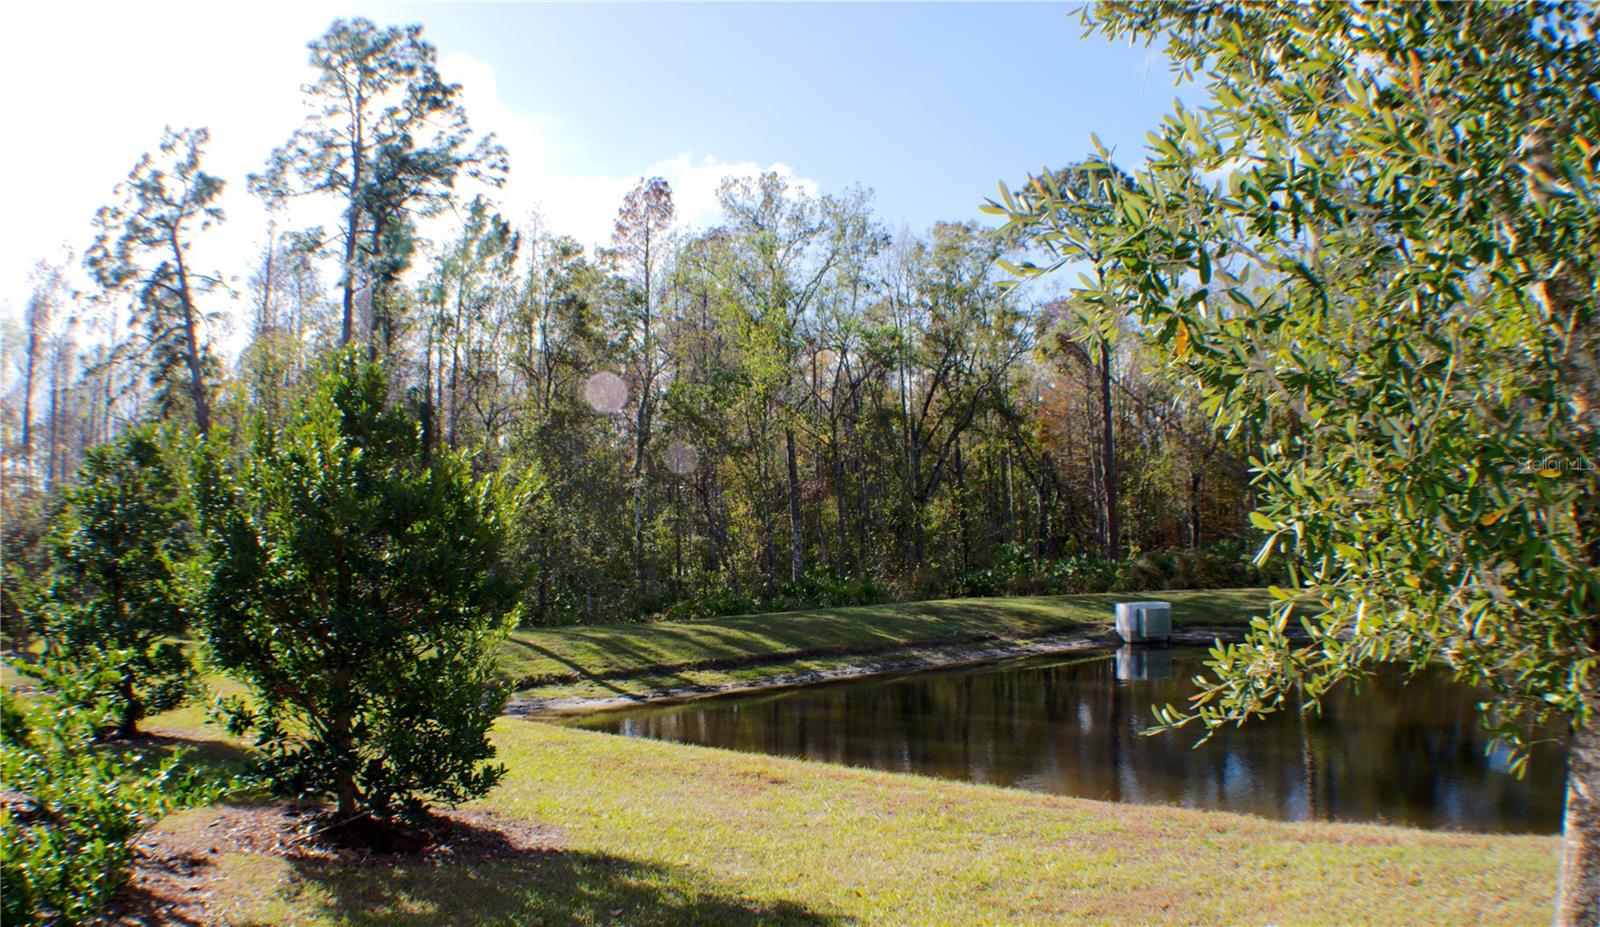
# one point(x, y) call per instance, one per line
point(1071, 726)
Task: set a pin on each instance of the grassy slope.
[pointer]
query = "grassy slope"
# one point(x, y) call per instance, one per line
point(653, 833)
point(637, 659)
point(618, 651)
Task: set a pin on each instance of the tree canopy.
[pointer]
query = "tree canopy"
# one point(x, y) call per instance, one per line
point(389, 137)
point(1378, 247)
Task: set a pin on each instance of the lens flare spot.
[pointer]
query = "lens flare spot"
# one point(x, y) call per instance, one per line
point(605, 392)
point(682, 457)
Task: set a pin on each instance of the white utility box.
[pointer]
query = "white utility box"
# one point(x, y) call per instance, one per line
point(1138, 622)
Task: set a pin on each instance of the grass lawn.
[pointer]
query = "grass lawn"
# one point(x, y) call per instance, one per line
point(649, 833)
point(636, 660)
point(639, 832)
point(561, 656)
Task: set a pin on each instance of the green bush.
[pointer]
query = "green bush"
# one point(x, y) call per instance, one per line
point(821, 587)
point(116, 579)
point(72, 804)
point(359, 588)
point(1015, 571)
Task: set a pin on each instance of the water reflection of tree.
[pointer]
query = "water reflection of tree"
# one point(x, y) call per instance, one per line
point(1116, 721)
point(1072, 728)
point(1308, 761)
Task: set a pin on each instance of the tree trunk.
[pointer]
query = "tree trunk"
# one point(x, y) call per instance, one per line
point(797, 564)
point(961, 509)
point(841, 505)
point(1194, 509)
point(914, 502)
point(1108, 454)
point(352, 226)
point(678, 517)
point(344, 777)
point(1578, 897)
point(641, 447)
point(346, 790)
point(55, 422)
point(27, 398)
point(264, 323)
point(191, 343)
point(377, 307)
point(822, 520)
point(1011, 498)
point(764, 506)
point(638, 534)
point(1041, 546)
point(865, 522)
point(129, 725)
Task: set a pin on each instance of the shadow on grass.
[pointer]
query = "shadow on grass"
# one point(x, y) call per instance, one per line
point(479, 869)
point(578, 671)
point(553, 888)
point(604, 653)
point(219, 760)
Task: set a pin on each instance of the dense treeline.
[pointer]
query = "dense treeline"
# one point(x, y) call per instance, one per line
point(795, 404)
point(435, 431)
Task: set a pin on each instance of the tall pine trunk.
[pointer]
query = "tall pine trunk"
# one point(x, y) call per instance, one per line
point(27, 397)
point(52, 468)
point(1194, 509)
point(1108, 460)
point(352, 224)
point(641, 447)
point(191, 342)
point(797, 564)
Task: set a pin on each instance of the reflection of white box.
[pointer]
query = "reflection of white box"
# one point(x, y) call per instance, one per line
point(1143, 664)
point(1144, 621)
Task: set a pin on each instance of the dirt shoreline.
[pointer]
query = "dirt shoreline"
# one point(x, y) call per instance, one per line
point(899, 661)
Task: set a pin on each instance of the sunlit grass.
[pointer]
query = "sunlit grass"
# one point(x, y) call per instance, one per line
point(586, 654)
point(587, 661)
point(639, 660)
point(651, 833)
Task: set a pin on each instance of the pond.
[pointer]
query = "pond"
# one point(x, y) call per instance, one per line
point(1071, 725)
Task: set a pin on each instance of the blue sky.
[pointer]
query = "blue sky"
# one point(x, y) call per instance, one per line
point(927, 104)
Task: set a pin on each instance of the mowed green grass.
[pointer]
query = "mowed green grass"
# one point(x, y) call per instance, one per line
point(559, 655)
point(637, 660)
point(649, 833)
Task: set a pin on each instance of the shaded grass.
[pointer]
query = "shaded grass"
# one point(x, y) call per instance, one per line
point(585, 695)
point(656, 833)
point(594, 654)
point(541, 888)
point(638, 660)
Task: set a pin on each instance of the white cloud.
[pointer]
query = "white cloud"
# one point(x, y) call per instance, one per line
point(572, 201)
point(83, 93)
